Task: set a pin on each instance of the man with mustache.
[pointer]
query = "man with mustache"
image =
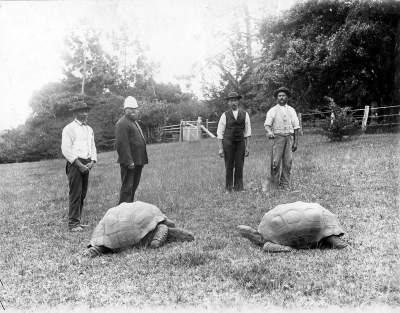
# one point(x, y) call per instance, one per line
point(282, 126)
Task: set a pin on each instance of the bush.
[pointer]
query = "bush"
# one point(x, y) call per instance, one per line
point(341, 123)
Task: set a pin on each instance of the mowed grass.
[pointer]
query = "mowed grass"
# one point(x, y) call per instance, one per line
point(41, 261)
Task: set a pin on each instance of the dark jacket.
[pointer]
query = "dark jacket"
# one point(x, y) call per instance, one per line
point(130, 143)
point(234, 129)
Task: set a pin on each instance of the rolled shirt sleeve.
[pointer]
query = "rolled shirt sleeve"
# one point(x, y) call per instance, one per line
point(247, 127)
point(295, 119)
point(269, 119)
point(221, 126)
point(93, 149)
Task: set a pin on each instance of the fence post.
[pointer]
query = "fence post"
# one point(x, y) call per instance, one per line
point(300, 117)
point(365, 119)
point(180, 130)
point(207, 123)
point(199, 127)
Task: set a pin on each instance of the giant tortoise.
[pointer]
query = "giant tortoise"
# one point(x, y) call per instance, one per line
point(134, 224)
point(297, 225)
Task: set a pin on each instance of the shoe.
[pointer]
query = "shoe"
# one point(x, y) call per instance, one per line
point(76, 229)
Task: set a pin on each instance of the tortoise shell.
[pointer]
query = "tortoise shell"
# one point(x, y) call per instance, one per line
point(126, 224)
point(299, 224)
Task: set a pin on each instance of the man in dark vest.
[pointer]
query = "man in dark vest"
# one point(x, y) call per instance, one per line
point(131, 149)
point(233, 135)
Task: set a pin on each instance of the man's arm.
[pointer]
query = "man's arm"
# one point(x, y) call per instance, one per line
point(122, 144)
point(220, 134)
point(295, 139)
point(296, 127)
point(268, 124)
point(247, 134)
point(93, 150)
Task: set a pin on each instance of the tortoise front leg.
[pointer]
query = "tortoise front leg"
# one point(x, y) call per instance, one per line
point(95, 251)
point(160, 236)
point(274, 247)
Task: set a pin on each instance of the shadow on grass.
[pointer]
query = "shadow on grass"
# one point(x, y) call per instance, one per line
point(191, 258)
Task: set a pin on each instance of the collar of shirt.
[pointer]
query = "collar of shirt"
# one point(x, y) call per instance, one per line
point(80, 123)
point(235, 113)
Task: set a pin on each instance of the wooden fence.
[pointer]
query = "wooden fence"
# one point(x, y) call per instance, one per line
point(368, 118)
point(188, 130)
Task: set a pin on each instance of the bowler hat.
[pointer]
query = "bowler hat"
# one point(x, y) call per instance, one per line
point(79, 106)
point(233, 95)
point(282, 89)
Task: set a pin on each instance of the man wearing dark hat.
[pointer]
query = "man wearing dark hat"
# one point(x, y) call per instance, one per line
point(233, 132)
point(282, 125)
point(78, 147)
point(131, 149)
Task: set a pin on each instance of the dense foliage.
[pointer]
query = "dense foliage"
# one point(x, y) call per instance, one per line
point(347, 50)
point(108, 79)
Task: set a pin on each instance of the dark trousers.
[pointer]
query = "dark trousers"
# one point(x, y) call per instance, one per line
point(78, 185)
point(234, 160)
point(130, 181)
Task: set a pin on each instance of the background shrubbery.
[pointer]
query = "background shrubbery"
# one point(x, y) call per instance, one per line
point(347, 50)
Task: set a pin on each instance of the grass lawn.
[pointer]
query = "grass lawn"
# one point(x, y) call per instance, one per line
point(40, 261)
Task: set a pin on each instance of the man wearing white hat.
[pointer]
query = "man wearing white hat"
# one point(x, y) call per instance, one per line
point(131, 149)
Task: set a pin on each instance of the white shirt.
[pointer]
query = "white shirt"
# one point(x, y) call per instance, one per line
point(78, 142)
point(222, 125)
point(282, 119)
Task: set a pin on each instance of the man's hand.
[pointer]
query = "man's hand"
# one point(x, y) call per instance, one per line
point(82, 168)
point(90, 165)
point(221, 153)
point(294, 146)
point(270, 135)
point(131, 166)
point(246, 153)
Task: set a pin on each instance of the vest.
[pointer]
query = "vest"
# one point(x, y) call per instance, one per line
point(234, 129)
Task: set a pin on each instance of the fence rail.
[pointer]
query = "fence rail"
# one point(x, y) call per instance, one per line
point(367, 117)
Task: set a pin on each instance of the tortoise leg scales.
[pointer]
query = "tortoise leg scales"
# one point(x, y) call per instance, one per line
point(334, 242)
point(251, 234)
point(160, 236)
point(95, 251)
point(177, 234)
point(274, 247)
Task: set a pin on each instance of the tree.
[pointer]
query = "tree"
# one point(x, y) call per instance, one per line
point(343, 49)
point(235, 67)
